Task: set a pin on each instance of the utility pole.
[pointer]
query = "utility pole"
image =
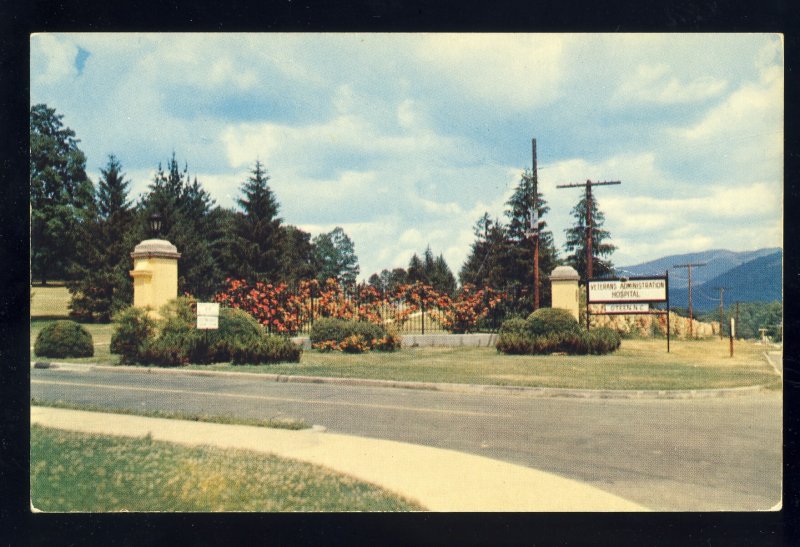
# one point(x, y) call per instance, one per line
point(588, 185)
point(534, 228)
point(737, 313)
point(721, 308)
point(689, 267)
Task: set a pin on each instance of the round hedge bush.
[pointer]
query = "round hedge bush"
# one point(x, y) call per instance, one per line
point(547, 321)
point(64, 339)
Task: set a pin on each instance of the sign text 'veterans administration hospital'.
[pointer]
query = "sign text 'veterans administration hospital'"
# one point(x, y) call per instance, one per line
point(629, 290)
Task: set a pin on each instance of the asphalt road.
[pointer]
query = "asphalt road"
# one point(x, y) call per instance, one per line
point(674, 455)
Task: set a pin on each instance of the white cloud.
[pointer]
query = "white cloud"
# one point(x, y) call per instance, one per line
point(515, 70)
point(55, 58)
point(653, 84)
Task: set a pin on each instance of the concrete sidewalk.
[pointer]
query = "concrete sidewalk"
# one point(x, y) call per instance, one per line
point(438, 479)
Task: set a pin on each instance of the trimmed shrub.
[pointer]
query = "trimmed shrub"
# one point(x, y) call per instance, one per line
point(350, 336)
point(390, 342)
point(549, 330)
point(64, 339)
point(174, 340)
point(355, 343)
point(265, 350)
point(134, 328)
point(516, 325)
point(515, 343)
point(603, 340)
point(546, 321)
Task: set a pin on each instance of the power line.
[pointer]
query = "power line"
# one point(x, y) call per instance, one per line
point(588, 185)
point(689, 267)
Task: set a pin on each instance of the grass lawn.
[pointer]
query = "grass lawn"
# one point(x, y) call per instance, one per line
point(82, 472)
point(50, 301)
point(638, 364)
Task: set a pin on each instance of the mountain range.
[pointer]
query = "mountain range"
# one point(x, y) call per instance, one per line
point(749, 276)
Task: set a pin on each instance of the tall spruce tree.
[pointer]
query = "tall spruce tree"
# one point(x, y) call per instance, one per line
point(185, 208)
point(256, 242)
point(101, 284)
point(575, 245)
point(60, 193)
point(502, 254)
point(520, 247)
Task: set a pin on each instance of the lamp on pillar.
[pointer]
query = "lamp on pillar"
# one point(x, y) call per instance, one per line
point(155, 224)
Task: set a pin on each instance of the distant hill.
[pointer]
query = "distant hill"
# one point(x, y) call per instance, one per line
point(718, 262)
point(757, 280)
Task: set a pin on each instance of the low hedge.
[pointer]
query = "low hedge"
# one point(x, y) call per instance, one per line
point(174, 339)
point(65, 338)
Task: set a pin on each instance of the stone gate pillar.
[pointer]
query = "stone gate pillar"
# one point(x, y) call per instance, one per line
point(155, 273)
point(564, 287)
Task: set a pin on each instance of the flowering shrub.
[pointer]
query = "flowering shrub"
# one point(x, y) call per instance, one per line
point(284, 310)
point(354, 343)
point(470, 306)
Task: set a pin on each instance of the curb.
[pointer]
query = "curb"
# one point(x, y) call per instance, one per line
point(522, 391)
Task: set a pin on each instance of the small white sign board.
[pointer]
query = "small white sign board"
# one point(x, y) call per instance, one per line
point(208, 315)
point(627, 308)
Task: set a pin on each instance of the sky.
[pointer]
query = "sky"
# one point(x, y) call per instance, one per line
point(405, 140)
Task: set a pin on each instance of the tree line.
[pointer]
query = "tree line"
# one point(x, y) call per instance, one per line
point(84, 233)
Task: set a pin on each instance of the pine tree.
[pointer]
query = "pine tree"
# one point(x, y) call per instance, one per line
point(416, 270)
point(185, 208)
point(60, 192)
point(256, 240)
point(101, 283)
point(575, 245)
point(441, 277)
point(520, 248)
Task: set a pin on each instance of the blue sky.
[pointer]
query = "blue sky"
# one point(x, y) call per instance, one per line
point(405, 140)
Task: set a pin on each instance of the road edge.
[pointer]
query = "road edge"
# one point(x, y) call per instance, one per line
point(522, 391)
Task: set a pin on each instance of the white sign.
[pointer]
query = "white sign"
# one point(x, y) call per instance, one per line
point(208, 315)
point(627, 308)
point(631, 290)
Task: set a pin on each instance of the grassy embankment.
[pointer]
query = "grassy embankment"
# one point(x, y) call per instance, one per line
point(81, 472)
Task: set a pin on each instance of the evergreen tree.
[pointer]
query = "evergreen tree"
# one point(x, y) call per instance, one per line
point(185, 208)
point(520, 248)
point(297, 256)
point(575, 245)
point(60, 192)
point(502, 254)
point(416, 270)
point(441, 277)
point(101, 282)
point(256, 240)
point(335, 257)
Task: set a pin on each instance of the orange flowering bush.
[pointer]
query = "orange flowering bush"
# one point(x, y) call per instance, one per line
point(285, 310)
point(469, 306)
point(279, 309)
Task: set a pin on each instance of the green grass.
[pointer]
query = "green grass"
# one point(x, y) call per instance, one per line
point(51, 301)
point(275, 423)
point(82, 472)
point(639, 364)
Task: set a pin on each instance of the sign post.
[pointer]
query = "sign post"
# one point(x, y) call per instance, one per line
point(628, 296)
point(733, 333)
